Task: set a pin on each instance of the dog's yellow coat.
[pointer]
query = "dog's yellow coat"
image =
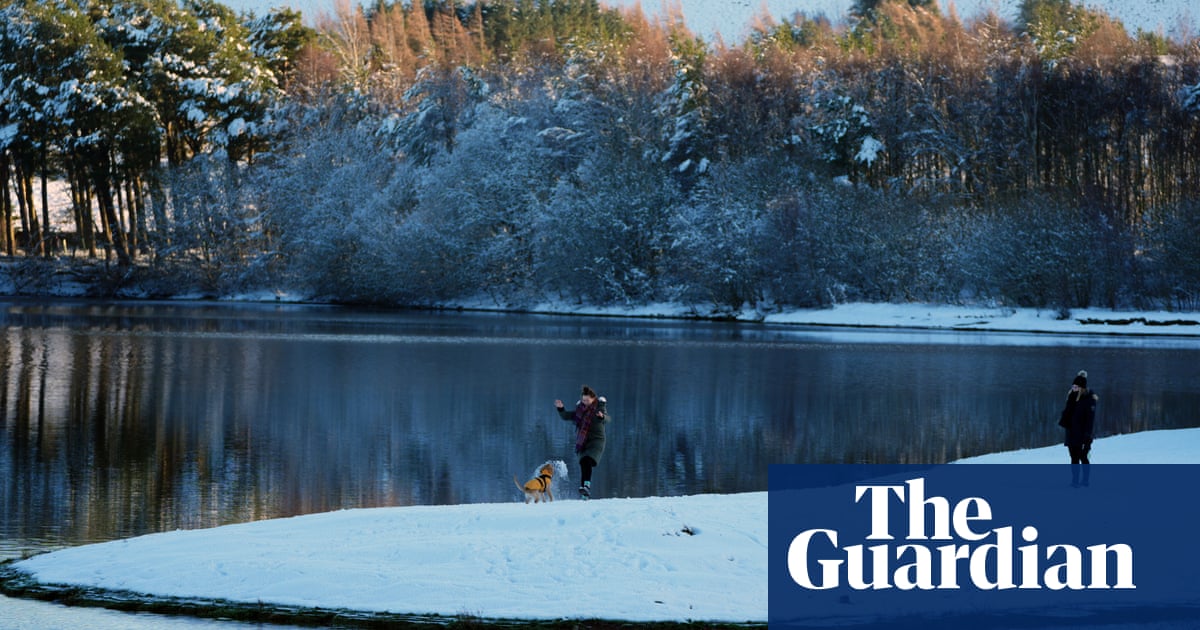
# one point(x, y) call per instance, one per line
point(538, 488)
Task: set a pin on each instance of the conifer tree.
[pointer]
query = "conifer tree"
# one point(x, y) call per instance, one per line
point(869, 9)
point(685, 110)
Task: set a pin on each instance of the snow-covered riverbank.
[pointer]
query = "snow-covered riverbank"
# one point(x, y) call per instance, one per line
point(653, 559)
point(931, 317)
point(648, 559)
point(856, 315)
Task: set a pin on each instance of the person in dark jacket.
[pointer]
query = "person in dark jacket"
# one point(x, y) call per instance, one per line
point(590, 415)
point(1079, 419)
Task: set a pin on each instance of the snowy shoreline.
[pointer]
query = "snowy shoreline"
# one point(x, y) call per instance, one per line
point(868, 315)
point(916, 316)
point(913, 316)
point(651, 560)
point(668, 560)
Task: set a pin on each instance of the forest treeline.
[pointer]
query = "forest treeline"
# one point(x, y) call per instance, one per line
point(519, 151)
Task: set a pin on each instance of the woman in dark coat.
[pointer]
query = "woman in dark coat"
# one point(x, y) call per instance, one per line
point(590, 415)
point(1079, 419)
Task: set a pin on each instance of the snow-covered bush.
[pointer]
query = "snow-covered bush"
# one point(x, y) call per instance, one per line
point(1170, 257)
point(217, 238)
point(715, 240)
point(326, 203)
point(1038, 253)
point(603, 235)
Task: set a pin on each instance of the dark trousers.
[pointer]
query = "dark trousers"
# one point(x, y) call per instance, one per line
point(586, 464)
point(1079, 462)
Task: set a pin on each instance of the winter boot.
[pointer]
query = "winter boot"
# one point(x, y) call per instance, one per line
point(585, 491)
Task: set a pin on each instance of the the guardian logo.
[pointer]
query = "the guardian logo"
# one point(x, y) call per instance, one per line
point(949, 547)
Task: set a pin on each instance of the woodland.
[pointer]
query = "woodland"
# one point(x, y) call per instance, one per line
point(514, 152)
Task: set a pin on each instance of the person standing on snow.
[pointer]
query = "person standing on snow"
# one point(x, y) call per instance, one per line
point(1079, 418)
point(590, 416)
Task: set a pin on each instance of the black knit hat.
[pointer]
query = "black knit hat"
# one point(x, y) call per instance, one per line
point(1081, 379)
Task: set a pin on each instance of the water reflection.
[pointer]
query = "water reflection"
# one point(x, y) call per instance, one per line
point(125, 419)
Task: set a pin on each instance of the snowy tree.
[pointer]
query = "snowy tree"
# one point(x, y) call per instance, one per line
point(1190, 98)
point(67, 90)
point(800, 31)
point(1056, 27)
point(478, 201)
point(829, 243)
point(441, 102)
point(1172, 253)
point(196, 64)
point(716, 238)
point(685, 111)
point(24, 94)
point(572, 109)
point(278, 39)
point(604, 234)
point(212, 233)
point(1030, 256)
point(844, 133)
point(869, 9)
point(328, 200)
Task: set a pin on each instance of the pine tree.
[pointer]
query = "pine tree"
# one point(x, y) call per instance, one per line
point(277, 39)
point(869, 9)
point(685, 110)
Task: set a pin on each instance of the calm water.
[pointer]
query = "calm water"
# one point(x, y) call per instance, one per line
point(127, 418)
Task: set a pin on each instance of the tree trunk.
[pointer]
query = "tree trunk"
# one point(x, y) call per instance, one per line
point(27, 213)
point(108, 209)
point(44, 245)
point(87, 226)
point(6, 226)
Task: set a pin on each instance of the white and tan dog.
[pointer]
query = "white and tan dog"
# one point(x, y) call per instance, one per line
point(538, 488)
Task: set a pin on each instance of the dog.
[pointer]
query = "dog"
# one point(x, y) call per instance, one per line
point(538, 488)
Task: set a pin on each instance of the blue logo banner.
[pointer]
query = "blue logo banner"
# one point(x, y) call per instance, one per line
point(984, 546)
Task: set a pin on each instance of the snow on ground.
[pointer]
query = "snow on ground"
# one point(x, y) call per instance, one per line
point(1091, 320)
point(679, 558)
point(1179, 446)
point(934, 317)
point(673, 558)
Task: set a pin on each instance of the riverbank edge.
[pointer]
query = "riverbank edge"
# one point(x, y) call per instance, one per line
point(74, 280)
point(1101, 322)
point(18, 584)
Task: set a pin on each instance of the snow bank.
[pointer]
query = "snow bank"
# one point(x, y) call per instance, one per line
point(1179, 446)
point(920, 316)
point(652, 559)
point(680, 558)
point(1092, 320)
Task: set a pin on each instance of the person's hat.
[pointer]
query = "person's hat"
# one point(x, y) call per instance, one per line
point(1080, 379)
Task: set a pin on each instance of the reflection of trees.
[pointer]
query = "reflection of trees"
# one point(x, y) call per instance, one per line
point(110, 433)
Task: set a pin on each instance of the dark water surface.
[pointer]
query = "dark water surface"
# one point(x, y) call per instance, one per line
point(127, 418)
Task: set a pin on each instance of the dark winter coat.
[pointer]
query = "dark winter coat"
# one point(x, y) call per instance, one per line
point(593, 444)
point(1079, 418)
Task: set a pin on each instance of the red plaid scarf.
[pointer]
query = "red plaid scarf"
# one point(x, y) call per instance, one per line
point(584, 414)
